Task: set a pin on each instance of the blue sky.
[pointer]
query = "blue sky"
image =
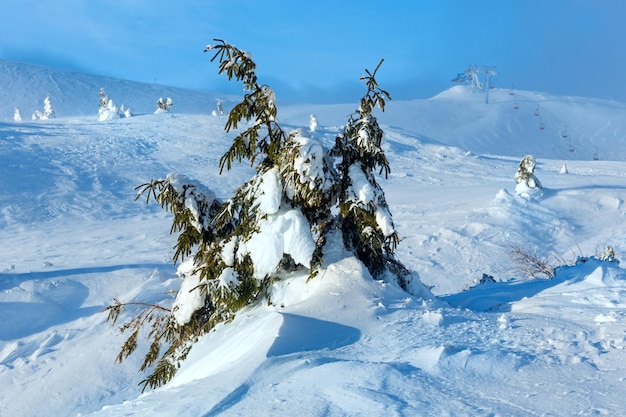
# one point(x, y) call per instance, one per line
point(315, 51)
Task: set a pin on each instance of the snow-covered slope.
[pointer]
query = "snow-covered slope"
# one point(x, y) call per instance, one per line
point(73, 238)
point(459, 117)
point(75, 94)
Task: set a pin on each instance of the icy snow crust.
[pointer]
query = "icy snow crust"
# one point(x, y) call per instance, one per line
point(340, 344)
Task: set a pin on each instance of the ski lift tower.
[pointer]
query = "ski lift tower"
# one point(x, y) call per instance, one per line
point(471, 76)
point(489, 72)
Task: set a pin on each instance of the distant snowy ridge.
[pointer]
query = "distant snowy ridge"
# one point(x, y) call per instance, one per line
point(562, 128)
point(514, 123)
point(76, 94)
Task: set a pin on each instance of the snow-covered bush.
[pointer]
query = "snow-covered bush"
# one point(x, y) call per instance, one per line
point(17, 115)
point(525, 177)
point(164, 105)
point(276, 222)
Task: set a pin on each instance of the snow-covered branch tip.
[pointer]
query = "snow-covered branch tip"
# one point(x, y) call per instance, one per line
point(375, 96)
point(235, 63)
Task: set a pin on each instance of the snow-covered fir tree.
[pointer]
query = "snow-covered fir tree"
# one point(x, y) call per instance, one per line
point(107, 109)
point(48, 111)
point(277, 222)
point(219, 108)
point(367, 225)
point(525, 176)
point(164, 105)
point(17, 115)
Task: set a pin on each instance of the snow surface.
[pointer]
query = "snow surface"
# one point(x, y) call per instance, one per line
point(341, 344)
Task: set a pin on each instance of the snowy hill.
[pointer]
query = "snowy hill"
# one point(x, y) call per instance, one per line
point(460, 118)
point(76, 94)
point(73, 238)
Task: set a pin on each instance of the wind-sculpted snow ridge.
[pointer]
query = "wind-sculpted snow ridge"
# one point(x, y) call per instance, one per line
point(73, 239)
point(355, 346)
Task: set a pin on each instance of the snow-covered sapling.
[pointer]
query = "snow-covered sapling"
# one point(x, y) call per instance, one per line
point(48, 111)
point(312, 123)
point(525, 176)
point(366, 223)
point(164, 105)
point(608, 255)
point(107, 109)
point(17, 115)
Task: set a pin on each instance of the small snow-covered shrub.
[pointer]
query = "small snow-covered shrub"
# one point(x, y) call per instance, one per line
point(17, 115)
point(533, 266)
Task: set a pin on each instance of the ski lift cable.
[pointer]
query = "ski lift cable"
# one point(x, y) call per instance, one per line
point(552, 123)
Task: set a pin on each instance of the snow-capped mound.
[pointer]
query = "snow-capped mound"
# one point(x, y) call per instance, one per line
point(516, 123)
point(513, 123)
point(457, 93)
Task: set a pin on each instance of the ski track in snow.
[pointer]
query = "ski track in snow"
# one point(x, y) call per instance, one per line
point(342, 344)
